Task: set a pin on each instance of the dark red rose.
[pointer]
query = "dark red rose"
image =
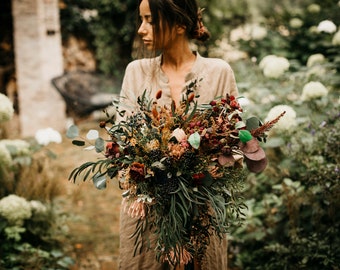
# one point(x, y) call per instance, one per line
point(137, 172)
point(197, 178)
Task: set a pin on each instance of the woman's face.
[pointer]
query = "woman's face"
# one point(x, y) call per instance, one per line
point(151, 40)
point(146, 28)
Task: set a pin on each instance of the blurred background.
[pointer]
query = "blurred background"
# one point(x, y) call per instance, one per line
point(62, 62)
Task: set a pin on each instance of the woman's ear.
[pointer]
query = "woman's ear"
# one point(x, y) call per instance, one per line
point(180, 29)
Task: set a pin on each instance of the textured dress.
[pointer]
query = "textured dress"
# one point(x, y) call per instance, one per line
point(215, 78)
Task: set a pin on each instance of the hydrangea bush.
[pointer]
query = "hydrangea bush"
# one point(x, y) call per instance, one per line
point(292, 218)
point(29, 229)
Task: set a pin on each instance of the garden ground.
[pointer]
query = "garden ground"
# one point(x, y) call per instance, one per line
point(92, 215)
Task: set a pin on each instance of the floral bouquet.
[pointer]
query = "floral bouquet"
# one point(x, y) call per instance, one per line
point(181, 168)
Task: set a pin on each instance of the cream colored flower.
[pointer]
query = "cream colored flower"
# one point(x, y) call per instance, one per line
point(38, 207)
point(286, 122)
point(179, 134)
point(5, 156)
point(315, 59)
point(326, 26)
point(295, 23)
point(258, 32)
point(15, 209)
point(336, 39)
point(313, 90)
point(6, 108)
point(17, 147)
point(314, 8)
point(152, 145)
point(274, 66)
point(47, 135)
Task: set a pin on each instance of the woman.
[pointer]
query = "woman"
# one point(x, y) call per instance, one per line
point(167, 26)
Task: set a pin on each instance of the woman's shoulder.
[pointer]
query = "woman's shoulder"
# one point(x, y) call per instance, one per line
point(215, 63)
point(143, 64)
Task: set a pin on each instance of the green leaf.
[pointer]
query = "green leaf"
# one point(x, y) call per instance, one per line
point(195, 140)
point(99, 181)
point(78, 143)
point(100, 145)
point(244, 135)
point(253, 123)
point(72, 132)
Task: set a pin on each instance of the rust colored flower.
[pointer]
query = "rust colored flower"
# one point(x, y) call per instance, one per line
point(191, 97)
point(112, 150)
point(137, 172)
point(159, 94)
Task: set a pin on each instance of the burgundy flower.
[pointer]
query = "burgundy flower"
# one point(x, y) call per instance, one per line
point(137, 173)
point(112, 150)
point(197, 178)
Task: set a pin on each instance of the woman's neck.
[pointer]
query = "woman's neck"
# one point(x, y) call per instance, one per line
point(178, 58)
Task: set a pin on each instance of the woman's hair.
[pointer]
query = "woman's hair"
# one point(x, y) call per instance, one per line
point(169, 13)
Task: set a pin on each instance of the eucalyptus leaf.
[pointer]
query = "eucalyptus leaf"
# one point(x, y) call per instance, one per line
point(253, 123)
point(92, 134)
point(72, 132)
point(78, 142)
point(195, 140)
point(99, 145)
point(89, 148)
point(99, 181)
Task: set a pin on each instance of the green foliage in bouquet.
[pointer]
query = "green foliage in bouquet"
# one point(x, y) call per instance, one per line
point(181, 168)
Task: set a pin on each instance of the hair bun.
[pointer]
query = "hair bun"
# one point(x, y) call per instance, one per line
point(201, 32)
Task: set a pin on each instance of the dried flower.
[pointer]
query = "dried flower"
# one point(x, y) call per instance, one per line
point(170, 157)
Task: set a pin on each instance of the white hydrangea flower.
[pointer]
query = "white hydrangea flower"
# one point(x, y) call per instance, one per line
point(313, 90)
point(15, 209)
point(274, 66)
point(38, 207)
point(326, 26)
point(317, 71)
point(13, 232)
point(6, 108)
point(5, 156)
point(295, 23)
point(17, 147)
point(47, 135)
point(315, 59)
point(258, 32)
point(286, 122)
point(314, 8)
point(336, 39)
